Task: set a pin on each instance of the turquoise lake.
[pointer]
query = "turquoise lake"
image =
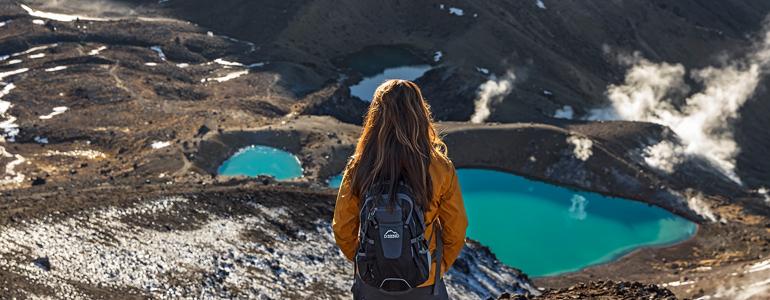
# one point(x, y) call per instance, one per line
point(547, 230)
point(539, 228)
point(382, 63)
point(335, 181)
point(262, 160)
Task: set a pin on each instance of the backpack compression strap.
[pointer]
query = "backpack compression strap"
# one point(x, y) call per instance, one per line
point(440, 249)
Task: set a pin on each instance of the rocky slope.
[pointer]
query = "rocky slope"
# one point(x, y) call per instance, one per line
point(113, 125)
point(600, 290)
point(254, 241)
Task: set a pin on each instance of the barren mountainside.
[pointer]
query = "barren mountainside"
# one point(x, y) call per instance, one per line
point(115, 115)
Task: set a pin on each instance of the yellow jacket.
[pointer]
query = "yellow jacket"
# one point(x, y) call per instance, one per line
point(447, 205)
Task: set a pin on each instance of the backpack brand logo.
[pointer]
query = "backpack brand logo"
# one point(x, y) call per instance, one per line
point(390, 235)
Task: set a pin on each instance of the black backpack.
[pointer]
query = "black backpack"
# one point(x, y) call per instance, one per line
point(392, 253)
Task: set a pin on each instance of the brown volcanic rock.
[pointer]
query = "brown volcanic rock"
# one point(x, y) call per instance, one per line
point(561, 49)
point(322, 144)
point(600, 291)
point(121, 105)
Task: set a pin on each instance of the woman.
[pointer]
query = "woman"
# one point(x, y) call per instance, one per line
point(399, 141)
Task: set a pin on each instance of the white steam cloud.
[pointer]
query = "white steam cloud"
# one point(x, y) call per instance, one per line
point(582, 147)
point(695, 203)
point(564, 113)
point(702, 122)
point(578, 209)
point(491, 92)
point(664, 156)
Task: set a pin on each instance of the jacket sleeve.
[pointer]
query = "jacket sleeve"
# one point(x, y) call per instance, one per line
point(454, 221)
point(345, 223)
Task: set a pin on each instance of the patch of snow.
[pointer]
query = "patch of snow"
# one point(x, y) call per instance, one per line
point(540, 4)
point(55, 16)
point(228, 63)
point(210, 33)
point(38, 22)
point(761, 266)
point(96, 51)
point(159, 144)
point(41, 140)
point(54, 69)
point(456, 11)
point(33, 49)
point(582, 146)
point(761, 283)
point(678, 283)
point(14, 72)
point(56, 110)
point(14, 61)
point(12, 177)
point(236, 64)
point(765, 194)
point(5, 22)
point(182, 65)
point(161, 1)
point(160, 52)
point(482, 70)
point(5, 105)
point(564, 113)
point(9, 128)
point(227, 77)
point(259, 64)
point(475, 15)
point(441, 6)
point(150, 64)
point(547, 92)
point(91, 154)
point(39, 55)
point(703, 269)
point(437, 56)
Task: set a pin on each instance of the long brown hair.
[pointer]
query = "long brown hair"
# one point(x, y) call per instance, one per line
point(397, 142)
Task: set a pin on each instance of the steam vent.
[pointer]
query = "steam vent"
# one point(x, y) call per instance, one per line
point(195, 149)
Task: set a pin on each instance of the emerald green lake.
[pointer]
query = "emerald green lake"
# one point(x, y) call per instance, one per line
point(539, 228)
point(547, 230)
point(262, 160)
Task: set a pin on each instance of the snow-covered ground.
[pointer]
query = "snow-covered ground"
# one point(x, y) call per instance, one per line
point(159, 144)
point(211, 259)
point(9, 176)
